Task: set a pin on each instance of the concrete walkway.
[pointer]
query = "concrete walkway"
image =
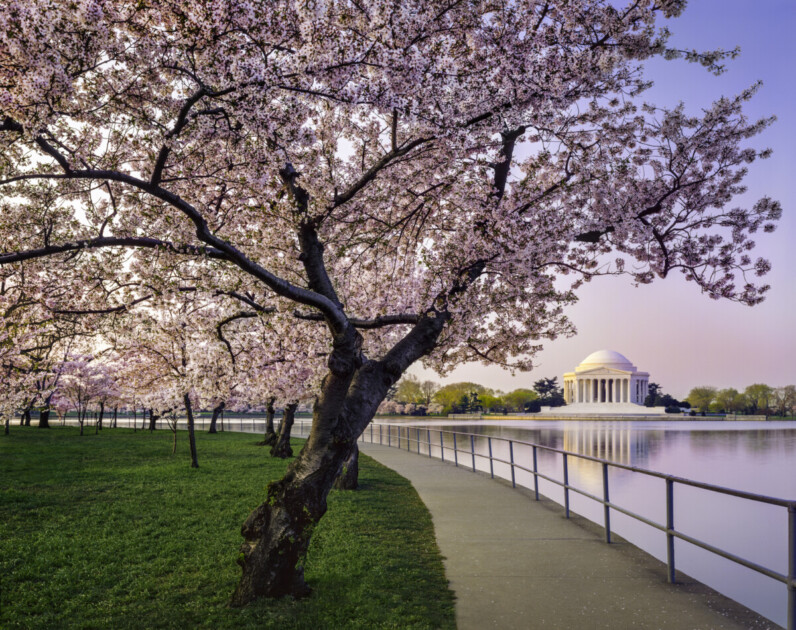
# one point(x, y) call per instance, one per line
point(517, 563)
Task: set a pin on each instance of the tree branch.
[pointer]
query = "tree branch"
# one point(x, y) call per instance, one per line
point(109, 241)
point(381, 321)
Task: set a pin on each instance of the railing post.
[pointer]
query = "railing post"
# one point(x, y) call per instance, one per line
point(371, 431)
point(511, 459)
point(535, 475)
point(389, 434)
point(607, 509)
point(472, 450)
point(670, 529)
point(491, 463)
point(428, 438)
point(417, 431)
point(455, 451)
point(792, 566)
point(380, 434)
point(566, 486)
point(441, 448)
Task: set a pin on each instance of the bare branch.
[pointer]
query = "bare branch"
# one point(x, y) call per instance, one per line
point(110, 241)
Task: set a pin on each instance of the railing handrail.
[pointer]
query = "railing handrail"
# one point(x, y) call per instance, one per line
point(669, 529)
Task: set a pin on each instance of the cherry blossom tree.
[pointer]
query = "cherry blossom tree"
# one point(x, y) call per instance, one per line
point(35, 340)
point(276, 359)
point(418, 178)
point(83, 380)
point(168, 343)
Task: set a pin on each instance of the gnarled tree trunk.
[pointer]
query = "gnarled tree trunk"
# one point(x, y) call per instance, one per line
point(277, 533)
point(282, 447)
point(153, 418)
point(44, 413)
point(270, 434)
point(216, 412)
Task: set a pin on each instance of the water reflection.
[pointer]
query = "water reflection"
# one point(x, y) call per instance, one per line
point(755, 457)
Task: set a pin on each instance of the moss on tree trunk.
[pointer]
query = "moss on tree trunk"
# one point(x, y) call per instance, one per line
point(348, 479)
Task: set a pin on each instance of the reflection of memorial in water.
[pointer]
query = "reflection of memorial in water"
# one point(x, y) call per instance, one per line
point(613, 442)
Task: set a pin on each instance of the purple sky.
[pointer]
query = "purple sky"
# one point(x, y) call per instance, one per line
point(682, 338)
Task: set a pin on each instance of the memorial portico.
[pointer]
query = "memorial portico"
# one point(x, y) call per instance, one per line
point(606, 378)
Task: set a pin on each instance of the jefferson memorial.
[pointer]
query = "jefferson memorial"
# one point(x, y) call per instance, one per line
point(605, 382)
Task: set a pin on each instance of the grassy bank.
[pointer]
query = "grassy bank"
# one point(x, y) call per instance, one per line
point(112, 531)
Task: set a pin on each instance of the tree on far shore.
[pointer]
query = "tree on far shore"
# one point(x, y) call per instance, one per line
point(702, 397)
point(550, 394)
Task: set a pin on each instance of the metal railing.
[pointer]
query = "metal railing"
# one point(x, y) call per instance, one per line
point(375, 433)
point(235, 422)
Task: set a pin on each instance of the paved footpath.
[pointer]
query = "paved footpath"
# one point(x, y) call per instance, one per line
point(517, 563)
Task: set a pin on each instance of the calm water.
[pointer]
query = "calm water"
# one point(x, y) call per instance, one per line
point(753, 456)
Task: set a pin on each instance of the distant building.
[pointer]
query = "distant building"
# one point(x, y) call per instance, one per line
point(605, 382)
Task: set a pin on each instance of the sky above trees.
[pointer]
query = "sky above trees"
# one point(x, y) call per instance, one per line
point(669, 329)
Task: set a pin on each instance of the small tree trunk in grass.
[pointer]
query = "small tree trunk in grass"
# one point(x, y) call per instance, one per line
point(44, 413)
point(7, 428)
point(81, 418)
point(270, 434)
point(191, 435)
point(282, 447)
point(216, 412)
point(101, 415)
point(153, 418)
point(44, 417)
point(348, 479)
point(173, 426)
point(115, 417)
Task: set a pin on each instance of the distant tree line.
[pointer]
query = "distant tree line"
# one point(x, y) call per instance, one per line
point(414, 397)
point(756, 399)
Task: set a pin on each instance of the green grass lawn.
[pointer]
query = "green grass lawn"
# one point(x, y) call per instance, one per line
point(112, 531)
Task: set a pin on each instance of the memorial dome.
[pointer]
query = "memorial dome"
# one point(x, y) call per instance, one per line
point(606, 358)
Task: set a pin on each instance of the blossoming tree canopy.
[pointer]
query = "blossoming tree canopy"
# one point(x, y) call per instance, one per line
point(414, 175)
